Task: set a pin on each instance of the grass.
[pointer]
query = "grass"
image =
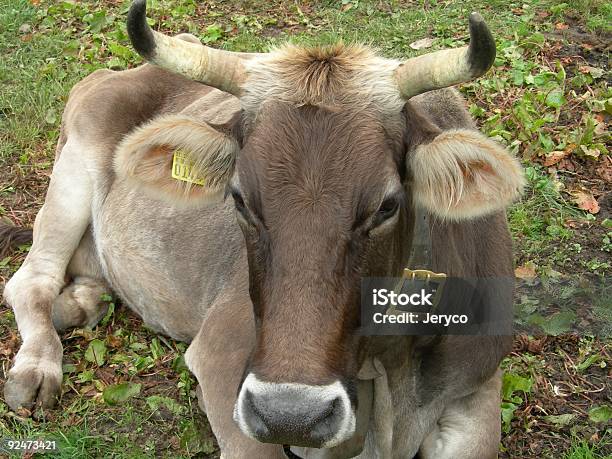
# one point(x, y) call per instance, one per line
point(546, 99)
point(582, 449)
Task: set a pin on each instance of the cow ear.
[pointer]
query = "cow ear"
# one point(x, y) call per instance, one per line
point(178, 158)
point(461, 174)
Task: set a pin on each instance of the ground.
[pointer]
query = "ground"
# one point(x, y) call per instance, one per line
point(127, 392)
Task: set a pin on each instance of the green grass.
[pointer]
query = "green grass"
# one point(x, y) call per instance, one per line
point(582, 449)
point(530, 101)
point(160, 418)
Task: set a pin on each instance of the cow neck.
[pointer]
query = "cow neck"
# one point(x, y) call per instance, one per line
point(418, 273)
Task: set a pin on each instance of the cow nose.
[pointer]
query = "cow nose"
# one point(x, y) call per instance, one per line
point(295, 414)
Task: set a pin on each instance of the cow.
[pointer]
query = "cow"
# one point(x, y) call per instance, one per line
point(304, 170)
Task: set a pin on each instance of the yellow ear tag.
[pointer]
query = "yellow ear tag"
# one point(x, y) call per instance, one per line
point(182, 168)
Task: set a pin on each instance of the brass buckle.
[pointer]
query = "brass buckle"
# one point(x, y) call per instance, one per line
point(420, 274)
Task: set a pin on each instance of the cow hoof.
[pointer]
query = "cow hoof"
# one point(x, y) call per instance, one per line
point(33, 385)
point(34, 381)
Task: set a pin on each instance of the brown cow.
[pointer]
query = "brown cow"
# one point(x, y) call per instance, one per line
point(328, 154)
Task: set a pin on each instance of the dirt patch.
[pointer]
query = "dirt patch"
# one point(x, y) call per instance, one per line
point(558, 389)
point(266, 18)
point(593, 47)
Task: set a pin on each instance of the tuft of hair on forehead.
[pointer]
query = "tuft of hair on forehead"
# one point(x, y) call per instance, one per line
point(319, 74)
point(340, 75)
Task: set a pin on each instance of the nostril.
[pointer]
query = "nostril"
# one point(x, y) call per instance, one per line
point(328, 420)
point(325, 412)
point(254, 417)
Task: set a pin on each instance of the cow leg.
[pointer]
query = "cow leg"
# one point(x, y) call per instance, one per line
point(36, 374)
point(80, 303)
point(217, 357)
point(469, 428)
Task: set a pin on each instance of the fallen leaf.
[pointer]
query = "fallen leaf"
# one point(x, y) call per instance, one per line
point(536, 346)
point(561, 26)
point(527, 271)
point(422, 43)
point(591, 153)
point(584, 200)
point(118, 393)
point(10, 344)
point(605, 170)
point(600, 413)
point(114, 341)
point(570, 223)
point(566, 164)
point(554, 157)
point(23, 412)
point(106, 375)
point(600, 126)
point(593, 71)
point(560, 420)
point(96, 352)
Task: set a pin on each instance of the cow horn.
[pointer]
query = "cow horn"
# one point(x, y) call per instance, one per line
point(448, 67)
point(221, 69)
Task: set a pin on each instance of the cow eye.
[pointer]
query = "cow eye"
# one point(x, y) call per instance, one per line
point(387, 209)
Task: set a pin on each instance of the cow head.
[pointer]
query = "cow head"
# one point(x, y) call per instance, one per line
point(325, 164)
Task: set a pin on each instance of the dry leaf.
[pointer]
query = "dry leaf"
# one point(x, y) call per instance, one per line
point(595, 72)
point(600, 127)
point(422, 43)
point(572, 223)
point(605, 170)
point(114, 341)
point(554, 157)
point(23, 412)
point(561, 26)
point(527, 271)
point(584, 200)
point(591, 153)
point(566, 164)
